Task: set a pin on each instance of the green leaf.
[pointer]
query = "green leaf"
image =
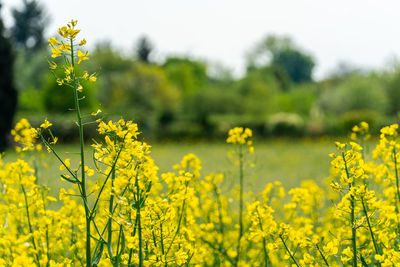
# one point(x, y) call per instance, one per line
point(97, 258)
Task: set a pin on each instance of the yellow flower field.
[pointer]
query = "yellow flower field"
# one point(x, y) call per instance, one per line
point(131, 214)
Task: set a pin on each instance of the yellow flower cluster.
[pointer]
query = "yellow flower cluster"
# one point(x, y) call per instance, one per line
point(25, 136)
point(66, 48)
point(184, 218)
point(238, 135)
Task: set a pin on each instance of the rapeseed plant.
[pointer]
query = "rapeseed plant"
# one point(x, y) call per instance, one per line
point(123, 212)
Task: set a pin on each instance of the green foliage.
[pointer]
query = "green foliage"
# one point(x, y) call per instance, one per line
point(187, 75)
point(286, 124)
point(187, 97)
point(31, 100)
point(199, 109)
point(258, 90)
point(145, 94)
point(283, 52)
point(31, 68)
point(357, 92)
point(298, 65)
point(110, 64)
point(393, 91)
point(29, 25)
point(354, 117)
point(144, 49)
point(60, 99)
point(298, 100)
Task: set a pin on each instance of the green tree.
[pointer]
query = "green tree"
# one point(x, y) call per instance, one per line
point(8, 94)
point(392, 84)
point(186, 74)
point(29, 25)
point(145, 94)
point(356, 92)
point(109, 63)
point(144, 49)
point(283, 52)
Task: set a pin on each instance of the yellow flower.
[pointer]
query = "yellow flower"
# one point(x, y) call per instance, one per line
point(89, 171)
point(56, 52)
point(96, 113)
point(46, 124)
point(55, 139)
point(93, 77)
point(73, 22)
point(85, 74)
point(53, 65)
point(66, 163)
point(82, 56)
point(63, 32)
point(65, 47)
point(59, 81)
point(83, 42)
point(53, 41)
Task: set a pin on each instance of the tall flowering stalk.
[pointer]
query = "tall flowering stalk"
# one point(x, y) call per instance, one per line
point(68, 49)
point(239, 137)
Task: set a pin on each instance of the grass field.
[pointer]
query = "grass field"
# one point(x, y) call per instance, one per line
point(288, 161)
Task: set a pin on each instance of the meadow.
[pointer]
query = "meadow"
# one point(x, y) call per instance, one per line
point(287, 160)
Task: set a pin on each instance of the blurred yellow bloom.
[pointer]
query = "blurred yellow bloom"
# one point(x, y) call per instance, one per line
point(53, 41)
point(82, 56)
point(67, 163)
point(83, 42)
point(53, 65)
point(93, 77)
point(46, 124)
point(56, 52)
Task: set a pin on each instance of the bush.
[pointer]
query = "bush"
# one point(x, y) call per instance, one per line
point(287, 124)
point(356, 92)
point(298, 100)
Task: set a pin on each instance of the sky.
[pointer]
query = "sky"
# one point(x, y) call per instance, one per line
point(363, 33)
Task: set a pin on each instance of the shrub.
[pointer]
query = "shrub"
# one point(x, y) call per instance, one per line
point(356, 92)
point(289, 124)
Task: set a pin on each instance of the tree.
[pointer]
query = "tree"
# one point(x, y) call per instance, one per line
point(186, 74)
point(8, 94)
point(144, 49)
point(281, 51)
point(29, 25)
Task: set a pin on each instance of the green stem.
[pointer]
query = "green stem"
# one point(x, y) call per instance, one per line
point(110, 210)
point(219, 205)
point(179, 221)
point(370, 228)
point(162, 245)
point(288, 251)
point(266, 258)
point(322, 255)
point(139, 225)
point(30, 225)
point(82, 153)
point(352, 215)
point(119, 240)
point(47, 232)
point(397, 185)
point(240, 204)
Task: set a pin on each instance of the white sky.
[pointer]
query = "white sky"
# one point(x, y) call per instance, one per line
point(365, 33)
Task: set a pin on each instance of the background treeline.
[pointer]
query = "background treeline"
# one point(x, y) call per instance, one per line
point(184, 97)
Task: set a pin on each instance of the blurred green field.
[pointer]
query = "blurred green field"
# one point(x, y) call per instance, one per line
point(289, 161)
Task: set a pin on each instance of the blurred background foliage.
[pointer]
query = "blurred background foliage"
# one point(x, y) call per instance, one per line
point(185, 97)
